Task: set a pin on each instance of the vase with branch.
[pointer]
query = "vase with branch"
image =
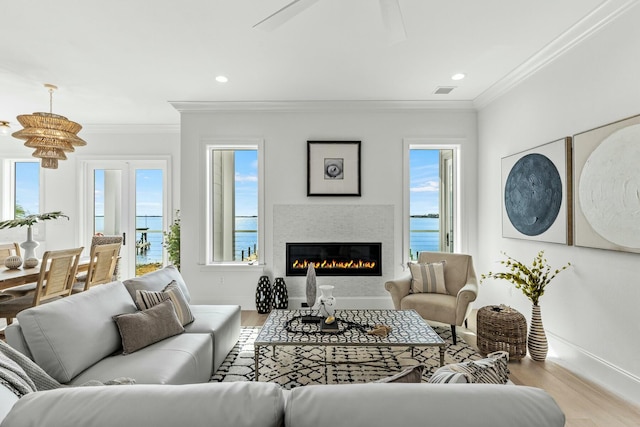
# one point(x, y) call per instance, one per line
point(532, 281)
point(30, 245)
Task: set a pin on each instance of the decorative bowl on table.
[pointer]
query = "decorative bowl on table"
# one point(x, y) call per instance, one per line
point(13, 262)
point(31, 262)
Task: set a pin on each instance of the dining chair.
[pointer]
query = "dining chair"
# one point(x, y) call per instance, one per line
point(102, 264)
point(104, 240)
point(57, 276)
point(7, 250)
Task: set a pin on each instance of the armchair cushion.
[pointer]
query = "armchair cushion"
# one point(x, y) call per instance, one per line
point(428, 277)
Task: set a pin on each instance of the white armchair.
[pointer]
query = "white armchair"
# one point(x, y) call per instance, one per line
point(452, 308)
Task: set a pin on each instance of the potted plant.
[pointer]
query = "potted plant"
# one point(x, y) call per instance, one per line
point(30, 245)
point(532, 281)
point(172, 241)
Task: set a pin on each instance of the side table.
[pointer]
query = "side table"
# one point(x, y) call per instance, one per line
point(502, 328)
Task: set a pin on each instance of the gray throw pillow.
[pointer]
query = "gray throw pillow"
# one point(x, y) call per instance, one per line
point(143, 328)
point(412, 374)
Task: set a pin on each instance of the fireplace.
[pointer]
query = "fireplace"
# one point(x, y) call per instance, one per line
point(334, 259)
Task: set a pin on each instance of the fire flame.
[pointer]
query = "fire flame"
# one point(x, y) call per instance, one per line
point(334, 264)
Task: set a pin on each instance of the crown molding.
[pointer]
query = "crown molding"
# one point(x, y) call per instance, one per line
point(597, 19)
point(131, 128)
point(316, 106)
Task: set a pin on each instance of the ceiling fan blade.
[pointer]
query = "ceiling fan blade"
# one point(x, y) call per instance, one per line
point(392, 18)
point(278, 18)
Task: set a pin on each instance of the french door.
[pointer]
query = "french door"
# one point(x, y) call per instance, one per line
point(128, 198)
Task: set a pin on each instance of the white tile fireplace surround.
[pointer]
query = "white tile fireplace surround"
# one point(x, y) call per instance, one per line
point(316, 223)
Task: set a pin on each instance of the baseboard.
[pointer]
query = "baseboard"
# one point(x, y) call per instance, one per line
point(592, 368)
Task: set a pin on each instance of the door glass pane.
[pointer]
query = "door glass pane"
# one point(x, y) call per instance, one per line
point(424, 201)
point(149, 220)
point(107, 202)
point(431, 200)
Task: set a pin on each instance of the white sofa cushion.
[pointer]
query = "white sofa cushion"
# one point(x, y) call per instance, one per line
point(181, 359)
point(157, 281)
point(236, 404)
point(222, 322)
point(374, 404)
point(67, 336)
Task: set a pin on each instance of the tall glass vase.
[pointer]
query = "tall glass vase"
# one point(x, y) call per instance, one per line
point(537, 341)
point(29, 245)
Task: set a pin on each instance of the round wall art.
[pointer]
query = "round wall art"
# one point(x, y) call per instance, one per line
point(533, 194)
point(610, 188)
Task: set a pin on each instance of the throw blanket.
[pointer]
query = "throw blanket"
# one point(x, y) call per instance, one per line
point(22, 375)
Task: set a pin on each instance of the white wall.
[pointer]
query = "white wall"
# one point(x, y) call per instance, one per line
point(591, 311)
point(285, 131)
point(60, 187)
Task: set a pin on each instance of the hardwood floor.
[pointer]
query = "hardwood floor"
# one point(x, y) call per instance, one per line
point(585, 404)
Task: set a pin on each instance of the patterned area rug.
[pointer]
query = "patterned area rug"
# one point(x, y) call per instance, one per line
point(296, 366)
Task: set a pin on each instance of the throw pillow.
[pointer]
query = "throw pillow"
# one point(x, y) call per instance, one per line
point(412, 374)
point(492, 370)
point(143, 328)
point(148, 299)
point(427, 277)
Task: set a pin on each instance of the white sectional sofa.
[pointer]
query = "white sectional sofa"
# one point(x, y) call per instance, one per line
point(75, 339)
point(265, 404)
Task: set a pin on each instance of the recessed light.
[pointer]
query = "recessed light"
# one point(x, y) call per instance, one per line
point(222, 79)
point(458, 76)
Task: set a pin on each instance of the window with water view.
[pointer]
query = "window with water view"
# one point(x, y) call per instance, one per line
point(234, 204)
point(430, 201)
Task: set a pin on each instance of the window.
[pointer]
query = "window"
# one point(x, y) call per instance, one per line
point(234, 203)
point(430, 221)
point(24, 190)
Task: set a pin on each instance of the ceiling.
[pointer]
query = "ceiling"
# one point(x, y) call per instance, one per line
point(122, 62)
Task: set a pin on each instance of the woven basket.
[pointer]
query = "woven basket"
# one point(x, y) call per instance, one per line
point(502, 328)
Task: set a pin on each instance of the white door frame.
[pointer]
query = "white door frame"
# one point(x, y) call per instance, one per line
point(128, 223)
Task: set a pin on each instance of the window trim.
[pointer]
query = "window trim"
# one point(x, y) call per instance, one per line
point(206, 222)
point(8, 186)
point(454, 144)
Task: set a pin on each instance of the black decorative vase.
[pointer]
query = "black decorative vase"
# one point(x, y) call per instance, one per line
point(263, 295)
point(280, 296)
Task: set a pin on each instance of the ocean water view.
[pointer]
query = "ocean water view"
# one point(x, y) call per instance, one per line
point(424, 235)
point(246, 237)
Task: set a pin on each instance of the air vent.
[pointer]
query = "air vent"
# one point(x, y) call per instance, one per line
point(444, 90)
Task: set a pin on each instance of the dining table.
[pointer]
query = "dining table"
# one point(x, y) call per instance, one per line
point(22, 276)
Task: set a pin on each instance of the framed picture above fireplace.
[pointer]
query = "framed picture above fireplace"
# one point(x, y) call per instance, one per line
point(333, 168)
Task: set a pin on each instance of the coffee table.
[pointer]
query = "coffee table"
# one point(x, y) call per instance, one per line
point(408, 329)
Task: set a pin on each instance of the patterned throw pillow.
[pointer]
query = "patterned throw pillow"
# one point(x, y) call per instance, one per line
point(492, 370)
point(427, 277)
point(147, 299)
